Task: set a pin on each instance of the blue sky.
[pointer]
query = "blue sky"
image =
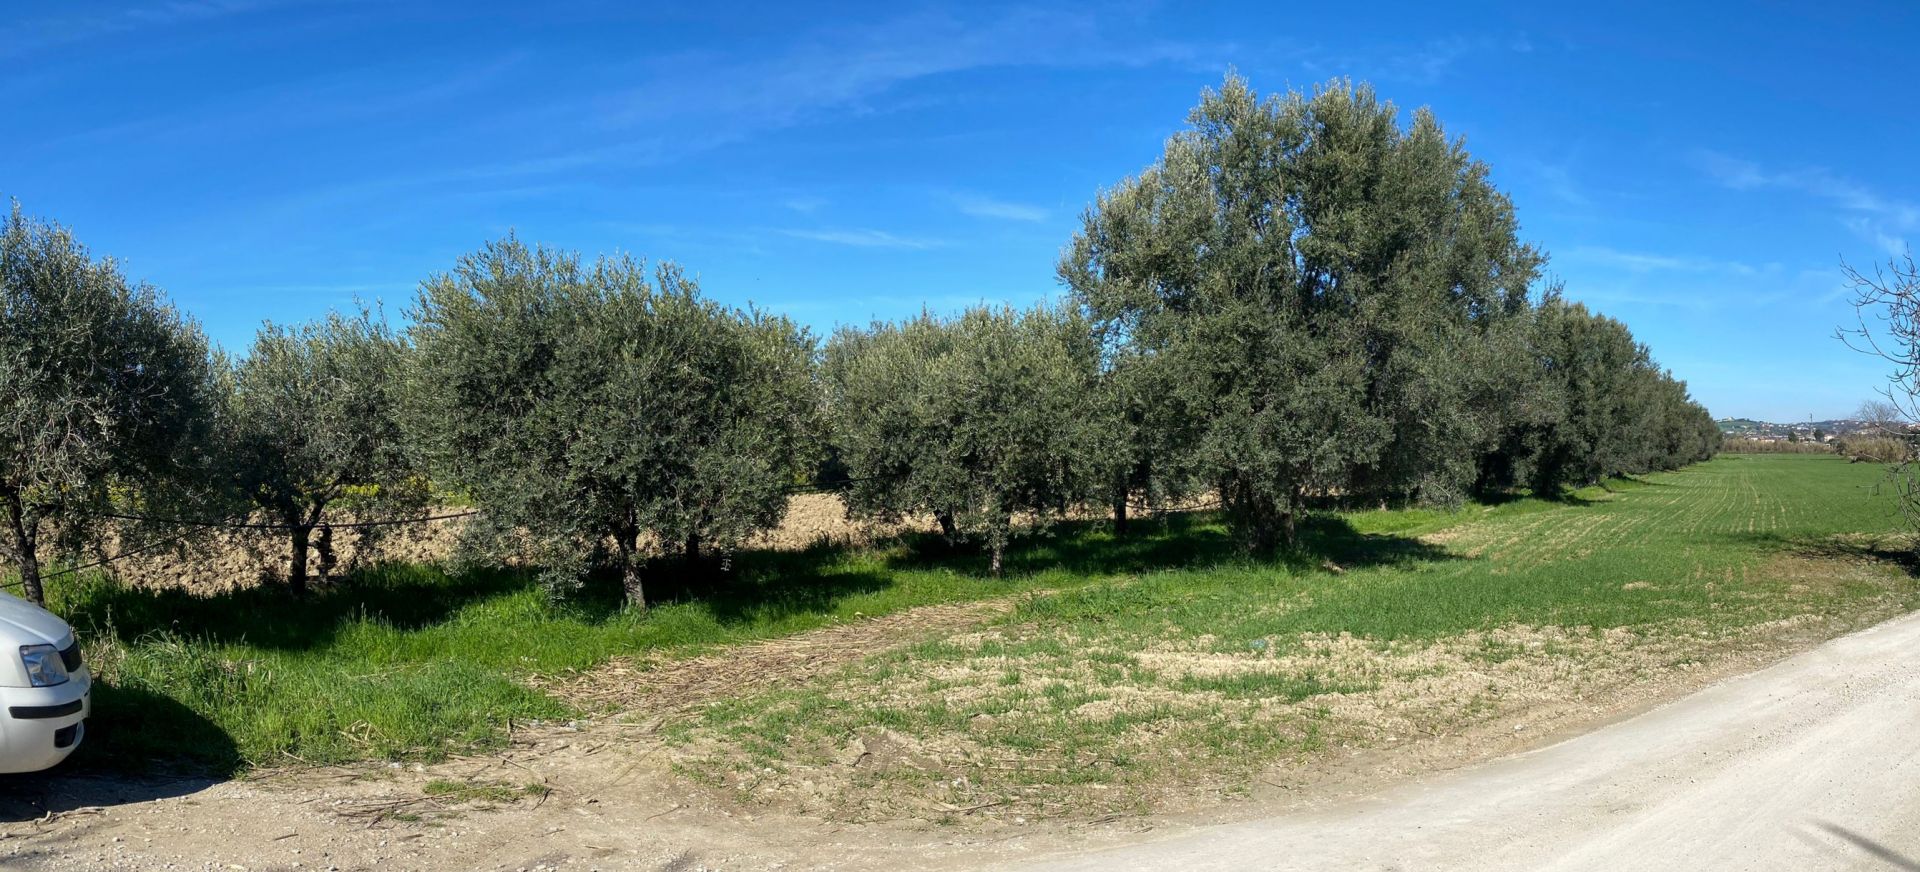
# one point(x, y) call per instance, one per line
point(1698, 174)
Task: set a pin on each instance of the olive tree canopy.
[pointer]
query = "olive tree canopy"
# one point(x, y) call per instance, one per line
point(314, 419)
point(973, 420)
point(1317, 283)
point(105, 395)
point(600, 417)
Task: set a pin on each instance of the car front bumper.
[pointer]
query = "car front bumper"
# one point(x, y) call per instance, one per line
point(40, 726)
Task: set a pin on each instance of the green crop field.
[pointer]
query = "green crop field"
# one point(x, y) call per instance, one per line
point(1114, 652)
point(1097, 695)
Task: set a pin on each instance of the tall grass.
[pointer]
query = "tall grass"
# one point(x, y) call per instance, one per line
point(412, 661)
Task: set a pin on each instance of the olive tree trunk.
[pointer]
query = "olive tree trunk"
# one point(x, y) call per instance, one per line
point(25, 534)
point(627, 540)
point(301, 536)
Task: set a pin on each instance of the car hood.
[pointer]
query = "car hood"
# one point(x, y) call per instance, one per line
point(30, 624)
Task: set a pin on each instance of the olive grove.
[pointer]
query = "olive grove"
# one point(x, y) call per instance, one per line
point(1306, 300)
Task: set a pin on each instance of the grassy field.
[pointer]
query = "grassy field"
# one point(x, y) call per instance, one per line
point(1099, 697)
point(1117, 651)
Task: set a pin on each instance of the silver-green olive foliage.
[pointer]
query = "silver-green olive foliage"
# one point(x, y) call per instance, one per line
point(106, 396)
point(1319, 280)
point(602, 415)
point(314, 423)
point(1618, 412)
point(973, 420)
point(1339, 307)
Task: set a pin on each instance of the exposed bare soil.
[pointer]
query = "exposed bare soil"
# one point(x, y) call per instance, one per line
point(232, 559)
point(666, 686)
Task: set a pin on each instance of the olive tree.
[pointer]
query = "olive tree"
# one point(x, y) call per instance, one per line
point(314, 423)
point(1613, 410)
point(1527, 398)
point(105, 395)
point(1130, 436)
point(974, 420)
point(890, 441)
point(609, 414)
point(1314, 281)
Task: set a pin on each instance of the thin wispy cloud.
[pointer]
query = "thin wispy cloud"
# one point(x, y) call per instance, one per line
point(359, 95)
point(733, 96)
point(1642, 262)
point(1878, 234)
point(26, 35)
point(863, 238)
point(1604, 296)
point(1883, 220)
point(1427, 63)
point(1558, 182)
point(1003, 210)
point(1430, 63)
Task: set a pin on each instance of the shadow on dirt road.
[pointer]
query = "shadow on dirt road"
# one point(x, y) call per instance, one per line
point(109, 770)
point(35, 795)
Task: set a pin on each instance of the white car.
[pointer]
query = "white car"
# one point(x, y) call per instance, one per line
point(44, 688)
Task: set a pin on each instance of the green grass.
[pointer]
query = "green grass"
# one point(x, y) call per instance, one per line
point(1216, 667)
point(411, 662)
point(488, 792)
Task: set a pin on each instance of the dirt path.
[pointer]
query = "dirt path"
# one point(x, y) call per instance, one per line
point(667, 687)
point(1808, 764)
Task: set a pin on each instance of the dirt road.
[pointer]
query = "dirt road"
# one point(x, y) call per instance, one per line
point(1813, 763)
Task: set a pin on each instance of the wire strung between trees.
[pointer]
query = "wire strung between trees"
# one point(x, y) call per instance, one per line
point(219, 525)
point(198, 523)
point(125, 553)
point(229, 525)
point(106, 560)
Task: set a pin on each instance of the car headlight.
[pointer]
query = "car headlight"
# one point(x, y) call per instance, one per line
point(44, 668)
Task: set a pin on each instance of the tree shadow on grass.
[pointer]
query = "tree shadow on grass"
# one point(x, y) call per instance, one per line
point(1889, 548)
point(1331, 538)
point(1569, 498)
point(761, 585)
point(405, 596)
point(757, 585)
point(1173, 540)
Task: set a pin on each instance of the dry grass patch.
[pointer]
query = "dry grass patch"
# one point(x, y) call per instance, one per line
point(663, 684)
point(1002, 726)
